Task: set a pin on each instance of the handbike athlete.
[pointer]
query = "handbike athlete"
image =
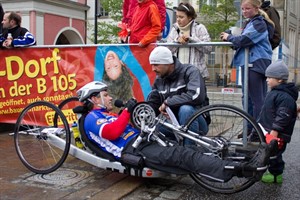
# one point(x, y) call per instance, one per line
point(114, 134)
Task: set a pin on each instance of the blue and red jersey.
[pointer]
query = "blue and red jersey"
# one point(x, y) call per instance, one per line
point(110, 132)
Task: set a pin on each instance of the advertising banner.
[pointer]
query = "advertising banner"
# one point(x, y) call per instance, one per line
point(55, 73)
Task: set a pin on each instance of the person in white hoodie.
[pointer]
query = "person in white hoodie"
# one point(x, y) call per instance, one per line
point(187, 30)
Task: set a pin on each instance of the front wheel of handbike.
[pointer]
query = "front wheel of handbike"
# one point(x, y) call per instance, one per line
point(41, 145)
point(228, 123)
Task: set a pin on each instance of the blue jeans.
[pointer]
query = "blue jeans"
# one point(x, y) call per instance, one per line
point(198, 126)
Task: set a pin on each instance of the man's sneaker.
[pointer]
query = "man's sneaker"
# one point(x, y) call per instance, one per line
point(270, 178)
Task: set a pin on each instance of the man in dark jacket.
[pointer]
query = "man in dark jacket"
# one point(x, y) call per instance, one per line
point(180, 87)
point(278, 115)
point(274, 16)
point(13, 34)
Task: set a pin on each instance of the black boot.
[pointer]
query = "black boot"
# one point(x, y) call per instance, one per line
point(259, 163)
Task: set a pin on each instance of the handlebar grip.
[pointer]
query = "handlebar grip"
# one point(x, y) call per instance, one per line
point(138, 141)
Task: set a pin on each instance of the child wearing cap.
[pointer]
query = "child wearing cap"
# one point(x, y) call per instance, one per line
point(278, 116)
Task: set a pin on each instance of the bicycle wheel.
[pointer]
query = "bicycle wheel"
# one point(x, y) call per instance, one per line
point(41, 146)
point(226, 123)
point(66, 107)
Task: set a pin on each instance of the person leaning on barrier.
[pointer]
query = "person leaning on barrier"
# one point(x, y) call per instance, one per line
point(129, 7)
point(255, 37)
point(114, 134)
point(145, 25)
point(187, 30)
point(180, 87)
point(13, 35)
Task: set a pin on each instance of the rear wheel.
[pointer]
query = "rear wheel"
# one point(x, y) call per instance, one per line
point(41, 145)
point(226, 123)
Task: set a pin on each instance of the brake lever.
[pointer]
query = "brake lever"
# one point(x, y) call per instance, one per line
point(139, 139)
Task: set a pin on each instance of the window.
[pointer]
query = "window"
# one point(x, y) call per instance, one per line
point(101, 11)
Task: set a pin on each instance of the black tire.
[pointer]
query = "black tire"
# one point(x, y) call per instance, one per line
point(226, 123)
point(38, 150)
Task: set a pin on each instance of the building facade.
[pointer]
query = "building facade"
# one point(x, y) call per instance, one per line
point(52, 22)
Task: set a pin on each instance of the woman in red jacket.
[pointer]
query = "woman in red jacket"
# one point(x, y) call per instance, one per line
point(145, 23)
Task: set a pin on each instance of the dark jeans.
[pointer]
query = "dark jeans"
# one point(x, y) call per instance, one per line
point(257, 91)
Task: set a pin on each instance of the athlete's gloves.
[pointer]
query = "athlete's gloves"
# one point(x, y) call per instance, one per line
point(130, 104)
point(270, 137)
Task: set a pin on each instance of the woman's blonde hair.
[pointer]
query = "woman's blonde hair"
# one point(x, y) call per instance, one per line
point(266, 16)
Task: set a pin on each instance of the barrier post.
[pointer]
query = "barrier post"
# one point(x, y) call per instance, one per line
point(245, 94)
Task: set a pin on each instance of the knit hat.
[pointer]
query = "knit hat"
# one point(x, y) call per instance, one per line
point(161, 55)
point(278, 69)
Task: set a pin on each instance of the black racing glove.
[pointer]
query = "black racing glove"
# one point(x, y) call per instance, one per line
point(130, 104)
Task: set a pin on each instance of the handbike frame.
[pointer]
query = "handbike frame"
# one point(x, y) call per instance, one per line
point(214, 145)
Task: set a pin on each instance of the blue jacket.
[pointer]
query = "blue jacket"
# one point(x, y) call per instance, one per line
point(279, 111)
point(255, 37)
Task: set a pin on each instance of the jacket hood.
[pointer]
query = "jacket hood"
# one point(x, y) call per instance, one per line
point(290, 88)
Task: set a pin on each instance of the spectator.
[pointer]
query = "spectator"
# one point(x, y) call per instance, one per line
point(130, 5)
point(114, 135)
point(278, 116)
point(181, 86)
point(274, 16)
point(187, 30)
point(255, 37)
point(146, 25)
point(21, 37)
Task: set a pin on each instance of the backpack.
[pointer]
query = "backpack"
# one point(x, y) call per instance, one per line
point(275, 17)
point(272, 38)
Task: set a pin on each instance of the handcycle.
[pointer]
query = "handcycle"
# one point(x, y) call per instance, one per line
point(42, 139)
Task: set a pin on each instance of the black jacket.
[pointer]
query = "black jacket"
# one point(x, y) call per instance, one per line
point(279, 111)
point(22, 37)
point(184, 86)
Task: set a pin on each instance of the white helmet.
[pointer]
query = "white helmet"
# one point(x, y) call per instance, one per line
point(93, 87)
